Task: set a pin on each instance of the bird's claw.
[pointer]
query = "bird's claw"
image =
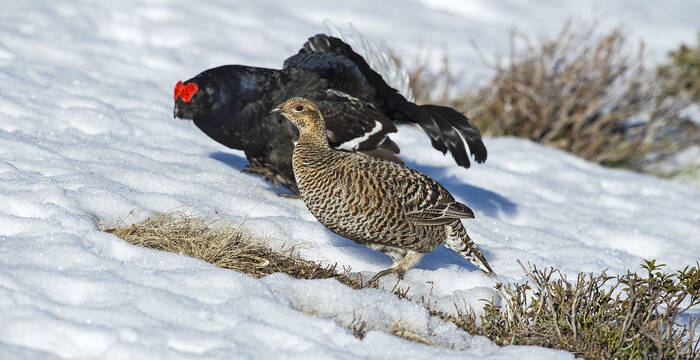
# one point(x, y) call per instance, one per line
point(267, 173)
point(290, 196)
point(385, 272)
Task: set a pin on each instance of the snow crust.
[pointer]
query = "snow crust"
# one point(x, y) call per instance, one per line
point(87, 135)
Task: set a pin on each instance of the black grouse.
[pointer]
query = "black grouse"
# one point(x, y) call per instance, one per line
point(232, 104)
point(374, 202)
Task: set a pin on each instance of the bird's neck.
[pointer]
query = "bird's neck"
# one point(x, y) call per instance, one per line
point(312, 147)
point(313, 139)
point(312, 158)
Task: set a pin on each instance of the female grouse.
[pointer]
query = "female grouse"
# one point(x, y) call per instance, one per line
point(372, 201)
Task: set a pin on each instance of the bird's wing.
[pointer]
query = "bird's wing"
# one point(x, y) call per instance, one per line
point(423, 200)
point(332, 59)
point(431, 204)
point(339, 71)
point(352, 124)
point(441, 214)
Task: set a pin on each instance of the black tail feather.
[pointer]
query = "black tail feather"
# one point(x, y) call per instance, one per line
point(447, 129)
point(458, 126)
point(444, 126)
point(409, 112)
point(451, 138)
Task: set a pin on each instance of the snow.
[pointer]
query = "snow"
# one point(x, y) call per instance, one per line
point(87, 135)
point(660, 26)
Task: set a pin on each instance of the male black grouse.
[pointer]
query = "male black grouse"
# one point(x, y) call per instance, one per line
point(232, 105)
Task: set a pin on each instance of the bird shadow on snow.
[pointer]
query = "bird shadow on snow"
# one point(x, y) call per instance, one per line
point(486, 201)
point(442, 257)
point(239, 163)
point(234, 161)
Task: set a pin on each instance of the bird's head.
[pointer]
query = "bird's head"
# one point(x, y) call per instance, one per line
point(194, 98)
point(225, 102)
point(303, 113)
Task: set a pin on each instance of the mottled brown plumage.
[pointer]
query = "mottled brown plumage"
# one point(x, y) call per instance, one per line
point(381, 204)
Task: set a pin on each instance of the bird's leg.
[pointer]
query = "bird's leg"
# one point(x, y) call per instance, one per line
point(380, 274)
point(267, 173)
point(400, 267)
point(290, 196)
point(255, 169)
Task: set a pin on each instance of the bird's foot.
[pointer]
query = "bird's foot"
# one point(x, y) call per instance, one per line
point(273, 177)
point(391, 270)
point(400, 267)
point(267, 173)
point(290, 196)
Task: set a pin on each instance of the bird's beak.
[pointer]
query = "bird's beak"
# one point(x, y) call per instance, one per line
point(277, 110)
point(177, 112)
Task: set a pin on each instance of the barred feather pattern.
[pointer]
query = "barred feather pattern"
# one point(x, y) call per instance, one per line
point(375, 202)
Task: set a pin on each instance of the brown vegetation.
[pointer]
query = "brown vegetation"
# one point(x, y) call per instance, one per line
point(585, 91)
point(595, 316)
point(683, 70)
point(224, 245)
point(427, 85)
point(630, 316)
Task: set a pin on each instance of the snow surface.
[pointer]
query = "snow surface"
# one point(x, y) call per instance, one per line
point(662, 26)
point(87, 135)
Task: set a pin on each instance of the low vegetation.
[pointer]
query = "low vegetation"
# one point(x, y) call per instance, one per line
point(630, 316)
point(586, 91)
point(224, 245)
point(683, 69)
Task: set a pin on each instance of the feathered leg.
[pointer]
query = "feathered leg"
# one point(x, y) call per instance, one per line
point(403, 260)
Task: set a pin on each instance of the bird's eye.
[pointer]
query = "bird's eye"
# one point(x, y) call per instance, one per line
point(298, 108)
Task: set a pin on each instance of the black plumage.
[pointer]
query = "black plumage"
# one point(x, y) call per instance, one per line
point(232, 104)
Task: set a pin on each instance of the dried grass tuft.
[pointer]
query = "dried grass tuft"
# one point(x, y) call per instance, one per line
point(629, 316)
point(224, 245)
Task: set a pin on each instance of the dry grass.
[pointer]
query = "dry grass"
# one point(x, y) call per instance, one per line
point(232, 247)
point(429, 86)
point(226, 246)
point(631, 316)
point(584, 91)
point(596, 316)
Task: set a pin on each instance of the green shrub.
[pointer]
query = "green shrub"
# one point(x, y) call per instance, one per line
point(630, 316)
point(683, 70)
